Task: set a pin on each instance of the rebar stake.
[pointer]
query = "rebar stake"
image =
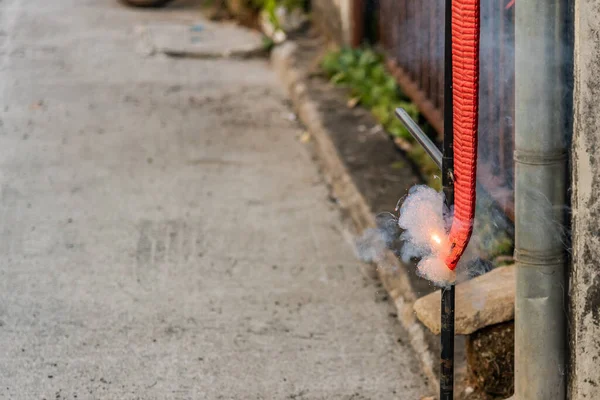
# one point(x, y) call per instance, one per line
point(447, 166)
point(447, 306)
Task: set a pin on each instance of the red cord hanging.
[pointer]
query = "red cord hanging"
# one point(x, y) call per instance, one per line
point(465, 80)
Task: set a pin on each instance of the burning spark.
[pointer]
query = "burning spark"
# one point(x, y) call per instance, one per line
point(424, 234)
point(510, 4)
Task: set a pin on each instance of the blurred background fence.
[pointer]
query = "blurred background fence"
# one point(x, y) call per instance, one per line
point(411, 35)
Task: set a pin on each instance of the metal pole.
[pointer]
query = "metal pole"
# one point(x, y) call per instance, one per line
point(541, 94)
point(420, 136)
point(447, 306)
point(446, 162)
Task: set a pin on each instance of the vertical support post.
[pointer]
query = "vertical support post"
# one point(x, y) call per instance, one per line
point(542, 62)
point(448, 294)
point(358, 23)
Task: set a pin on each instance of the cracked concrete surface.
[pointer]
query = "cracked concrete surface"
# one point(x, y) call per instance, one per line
point(165, 235)
point(584, 281)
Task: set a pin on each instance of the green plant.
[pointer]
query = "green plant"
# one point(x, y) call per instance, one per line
point(362, 71)
point(270, 7)
point(268, 43)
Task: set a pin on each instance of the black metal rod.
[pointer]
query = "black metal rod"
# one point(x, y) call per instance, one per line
point(420, 136)
point(448, 294)
point(448, 147)
point(447, 353)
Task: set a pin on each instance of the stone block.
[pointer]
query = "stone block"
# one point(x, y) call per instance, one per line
point(486, 300)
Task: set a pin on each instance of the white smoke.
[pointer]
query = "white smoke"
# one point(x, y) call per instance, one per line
point(419, 234)
point(422, 219)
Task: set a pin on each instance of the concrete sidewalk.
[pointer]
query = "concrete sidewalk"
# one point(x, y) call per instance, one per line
point(164, 233)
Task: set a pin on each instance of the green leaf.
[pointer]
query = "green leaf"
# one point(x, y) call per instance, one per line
point(376, 95)
point(390, 84)
point(347, 59)
point(396, 128)
point(378, 74)
point(382, 114)
point(331, 63)
point(339, 78)
point(367, 58)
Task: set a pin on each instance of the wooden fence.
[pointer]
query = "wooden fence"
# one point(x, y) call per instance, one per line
point(411, 33)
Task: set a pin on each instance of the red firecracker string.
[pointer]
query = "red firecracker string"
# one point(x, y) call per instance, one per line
point(465, 81)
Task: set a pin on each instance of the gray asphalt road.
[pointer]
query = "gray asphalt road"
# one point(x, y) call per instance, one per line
point(163, 232)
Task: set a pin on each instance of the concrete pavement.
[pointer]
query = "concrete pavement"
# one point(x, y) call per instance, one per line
point(163, 232)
